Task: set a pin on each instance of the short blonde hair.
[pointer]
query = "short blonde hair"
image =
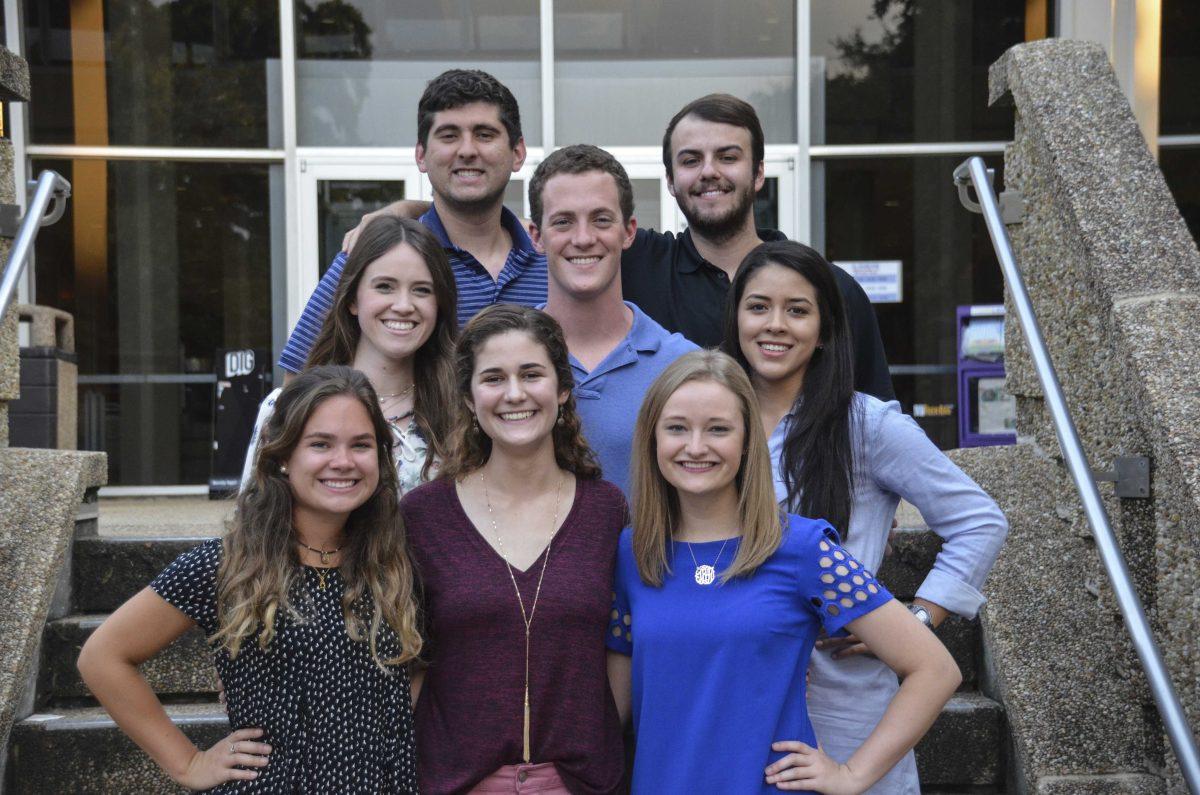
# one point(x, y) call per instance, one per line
point(655, 502)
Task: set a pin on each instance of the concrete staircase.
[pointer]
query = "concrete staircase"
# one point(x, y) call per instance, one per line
point(70, 745)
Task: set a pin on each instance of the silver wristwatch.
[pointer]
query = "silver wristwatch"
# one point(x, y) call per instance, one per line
point(922, 615)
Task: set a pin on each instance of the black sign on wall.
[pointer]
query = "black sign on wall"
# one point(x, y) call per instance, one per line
point(243, 380)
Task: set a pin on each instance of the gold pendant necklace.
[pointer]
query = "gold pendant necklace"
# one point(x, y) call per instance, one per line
point(322, 552)
point(321, 575)
point(527, 618)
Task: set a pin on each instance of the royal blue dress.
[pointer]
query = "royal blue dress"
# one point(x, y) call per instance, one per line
point(718, 670)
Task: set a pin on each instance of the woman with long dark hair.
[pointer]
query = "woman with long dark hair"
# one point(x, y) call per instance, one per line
point(514, 546)
point(848, 458)
point(307, 604)
point(393, 318)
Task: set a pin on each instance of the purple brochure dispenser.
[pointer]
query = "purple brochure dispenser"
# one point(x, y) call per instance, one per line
point(987, 413)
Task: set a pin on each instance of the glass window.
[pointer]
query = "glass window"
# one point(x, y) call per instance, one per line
point(907, 209)
point(1181, 169)
point(647, 202)
point(623, 68)
point(1178, 109)
point(161, 264)
point(341, 204)
point(886, 71)
point(362, 64)
point(173, 73)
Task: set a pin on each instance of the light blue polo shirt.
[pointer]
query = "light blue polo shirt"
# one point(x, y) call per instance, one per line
point(609, 397)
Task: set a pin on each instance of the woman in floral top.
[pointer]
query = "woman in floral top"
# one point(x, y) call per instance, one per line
point(393, 319)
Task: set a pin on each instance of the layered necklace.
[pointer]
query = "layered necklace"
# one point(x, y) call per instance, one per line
point(391, 399)
point(526, 617)
point(323, 571)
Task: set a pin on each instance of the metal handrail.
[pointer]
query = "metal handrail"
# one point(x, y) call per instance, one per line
point(50, 186)
point(1169, 707)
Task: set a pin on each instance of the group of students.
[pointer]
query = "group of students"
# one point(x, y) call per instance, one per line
point(430, 583)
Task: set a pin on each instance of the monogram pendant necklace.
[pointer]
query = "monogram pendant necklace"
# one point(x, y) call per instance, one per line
point(705, 574)
point(526, 617)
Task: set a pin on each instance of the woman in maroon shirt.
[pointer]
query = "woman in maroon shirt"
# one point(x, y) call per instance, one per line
point(514, 546)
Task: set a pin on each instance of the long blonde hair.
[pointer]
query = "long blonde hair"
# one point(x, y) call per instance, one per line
point(655, 502)
point(261, 563)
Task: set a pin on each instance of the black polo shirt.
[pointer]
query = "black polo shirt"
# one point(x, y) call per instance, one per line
point(665, 275)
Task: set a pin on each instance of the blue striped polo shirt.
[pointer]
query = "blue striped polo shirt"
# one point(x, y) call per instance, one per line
point(522, 281)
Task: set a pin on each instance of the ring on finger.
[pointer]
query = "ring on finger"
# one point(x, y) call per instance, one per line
point(233, 748)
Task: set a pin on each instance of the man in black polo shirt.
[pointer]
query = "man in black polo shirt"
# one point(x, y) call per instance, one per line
point(713, 152)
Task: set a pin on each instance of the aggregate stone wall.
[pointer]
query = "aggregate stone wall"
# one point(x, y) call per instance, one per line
point(10, 367)
point(1115, 280)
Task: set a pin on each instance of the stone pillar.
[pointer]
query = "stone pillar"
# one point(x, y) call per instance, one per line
point(1115, 280)
point(14, 87)
point(46, 414)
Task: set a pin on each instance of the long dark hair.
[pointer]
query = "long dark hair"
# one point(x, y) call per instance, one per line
point(261, 562)
point(818, 456)
point(433, 375)
point(470, 447)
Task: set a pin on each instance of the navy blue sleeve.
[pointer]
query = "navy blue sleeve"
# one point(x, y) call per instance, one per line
point(189, 584)
point(295, 352)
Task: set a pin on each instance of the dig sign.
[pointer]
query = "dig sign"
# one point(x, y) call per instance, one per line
point(238, 363)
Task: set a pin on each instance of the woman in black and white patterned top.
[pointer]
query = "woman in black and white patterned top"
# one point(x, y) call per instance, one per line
point(315, 675)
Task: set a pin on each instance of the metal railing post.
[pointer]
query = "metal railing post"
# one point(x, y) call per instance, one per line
point(1169, 707)
point(50, 186)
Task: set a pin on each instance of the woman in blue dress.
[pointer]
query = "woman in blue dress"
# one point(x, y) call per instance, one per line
point(849, 458)
point(719, 598)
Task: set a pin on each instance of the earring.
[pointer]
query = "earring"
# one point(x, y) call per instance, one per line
point(283, 469)
point(474, 423)
point(560, 421)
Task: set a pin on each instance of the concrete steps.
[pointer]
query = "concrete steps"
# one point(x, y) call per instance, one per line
point(83, 751)
point(71, 745)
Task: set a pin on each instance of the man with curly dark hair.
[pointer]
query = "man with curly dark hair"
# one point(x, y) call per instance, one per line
point(469, 143)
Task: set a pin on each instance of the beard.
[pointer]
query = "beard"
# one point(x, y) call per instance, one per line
point(720, 227)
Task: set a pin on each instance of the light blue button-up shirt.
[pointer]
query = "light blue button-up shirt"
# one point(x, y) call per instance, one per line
point(894, 459)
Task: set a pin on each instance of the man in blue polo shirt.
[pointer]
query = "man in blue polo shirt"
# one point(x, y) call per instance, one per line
point(581, 208)
point(469, 143)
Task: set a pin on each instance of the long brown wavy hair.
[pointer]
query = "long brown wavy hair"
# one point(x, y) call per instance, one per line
point(261, 563)
point(470, 447)
point(655, 502)
point(433, 376)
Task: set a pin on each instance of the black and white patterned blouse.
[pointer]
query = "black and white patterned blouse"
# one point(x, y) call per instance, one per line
point(336, 722)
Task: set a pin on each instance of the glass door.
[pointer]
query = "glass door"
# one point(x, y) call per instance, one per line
point(335, 193)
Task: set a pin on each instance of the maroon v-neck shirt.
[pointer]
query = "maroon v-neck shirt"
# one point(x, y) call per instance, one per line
point(470, 715)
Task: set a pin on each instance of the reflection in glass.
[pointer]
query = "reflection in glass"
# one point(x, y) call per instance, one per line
point(909, 70)
point(341, 204)
point(362, 64)
point(907, 209)
point(1181, 169)
point(164, 73)
point(161, 264)
point(647, 202)
point(623, 68)
point(1178, 109)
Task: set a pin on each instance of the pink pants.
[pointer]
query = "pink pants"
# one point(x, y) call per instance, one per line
point(520, 779)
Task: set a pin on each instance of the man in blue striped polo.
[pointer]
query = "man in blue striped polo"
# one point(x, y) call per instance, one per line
point(469, 143)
